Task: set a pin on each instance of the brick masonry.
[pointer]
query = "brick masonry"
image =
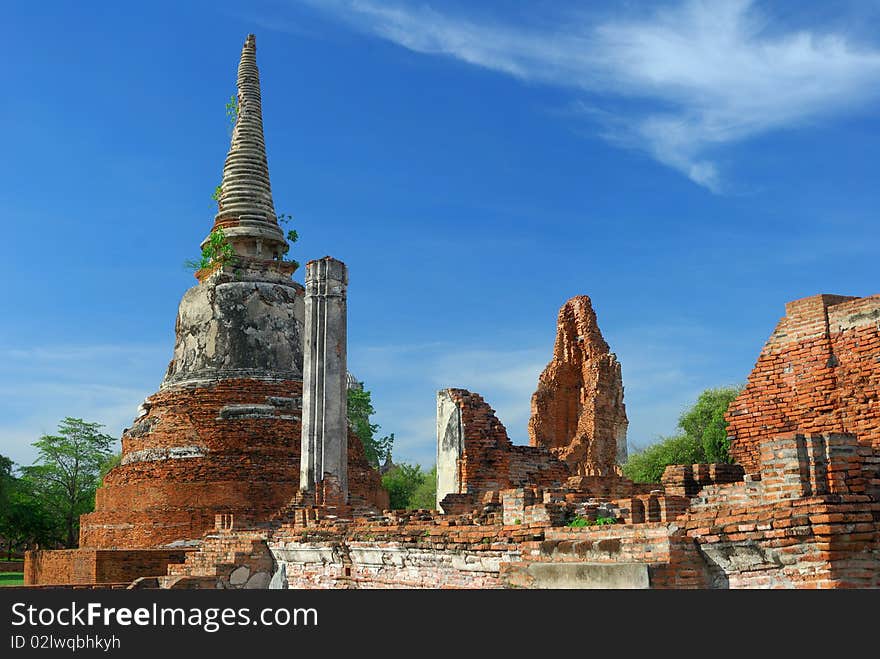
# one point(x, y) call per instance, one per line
point(818, 372)
point(96, 566)
point(803, 521)
point(577, 410)
point(488, 461)
point(229, 447)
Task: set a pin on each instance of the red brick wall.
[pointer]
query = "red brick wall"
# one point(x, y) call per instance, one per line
point(803, 522)
point(818, 372)
point(85, 566)
point(490, 462)
point(247, 463)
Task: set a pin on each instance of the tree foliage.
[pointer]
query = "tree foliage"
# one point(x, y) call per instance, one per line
point(360, 409)
point(409, 488)
point(25, 520)
point(703, 438)
point(647, 465)
point(425, 495)
point(704, 422)
point(112, 461)
point(67, 472)
point(6, 479)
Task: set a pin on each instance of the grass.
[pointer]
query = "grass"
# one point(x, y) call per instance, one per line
point(11, 579)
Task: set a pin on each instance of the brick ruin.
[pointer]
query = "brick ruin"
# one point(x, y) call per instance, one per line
point(241, 472)
point(577, 410)
point(223, 433)
point(577, 429)
point(805, 513)
point(818, 372)
point(476, 459)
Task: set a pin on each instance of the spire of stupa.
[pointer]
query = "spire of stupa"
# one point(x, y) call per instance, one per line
point(246, 212)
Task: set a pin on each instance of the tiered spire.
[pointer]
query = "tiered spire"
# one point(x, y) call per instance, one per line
point(245, 206)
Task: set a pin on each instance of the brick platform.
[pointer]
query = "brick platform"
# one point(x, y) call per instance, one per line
point(229, 447)
point(96, 566)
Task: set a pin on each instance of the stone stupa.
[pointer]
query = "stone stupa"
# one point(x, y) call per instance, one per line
point(222, 434)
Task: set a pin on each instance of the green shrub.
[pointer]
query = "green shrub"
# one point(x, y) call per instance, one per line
point(703, 439)
point(409, 488)
point(425, 494)
point(647, 465)
point(704, 422)
point(216, 250)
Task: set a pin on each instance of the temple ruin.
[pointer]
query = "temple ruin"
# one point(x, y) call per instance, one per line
point(818, 372)
point(242, 472)
point(577, 410)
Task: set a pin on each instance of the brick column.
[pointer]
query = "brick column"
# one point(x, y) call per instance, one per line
point(325, 395)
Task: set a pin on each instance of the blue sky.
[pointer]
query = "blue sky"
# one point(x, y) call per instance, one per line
point(691, 166)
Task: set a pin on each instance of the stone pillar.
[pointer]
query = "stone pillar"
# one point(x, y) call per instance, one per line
point(325, 397)
point(450, 446)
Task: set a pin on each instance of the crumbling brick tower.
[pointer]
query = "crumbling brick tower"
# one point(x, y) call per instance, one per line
point(577, 410)
point(222, 434)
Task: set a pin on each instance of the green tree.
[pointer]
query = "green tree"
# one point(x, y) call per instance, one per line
point(647, 465)
point(360, 409)
point(67, 471)
point(6, 480)
point(703, 438)
point(112, 460)
point(25, 520)
point(704, 422)
point(425, 494)
point(402, 481)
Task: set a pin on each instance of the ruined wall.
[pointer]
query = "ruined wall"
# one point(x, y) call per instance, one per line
point(818, 372)
point(806, 520)
point(387, 565)
point(475, 455)
point(577, 410)
point(229, 447)
point(669, 559)
point(86, 566)
point(458, 554)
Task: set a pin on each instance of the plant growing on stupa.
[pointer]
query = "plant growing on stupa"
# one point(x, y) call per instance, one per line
point(292, 236)
point(217, 251)
point(232, 112)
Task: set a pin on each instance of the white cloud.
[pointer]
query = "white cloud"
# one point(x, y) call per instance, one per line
point(693, 76)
